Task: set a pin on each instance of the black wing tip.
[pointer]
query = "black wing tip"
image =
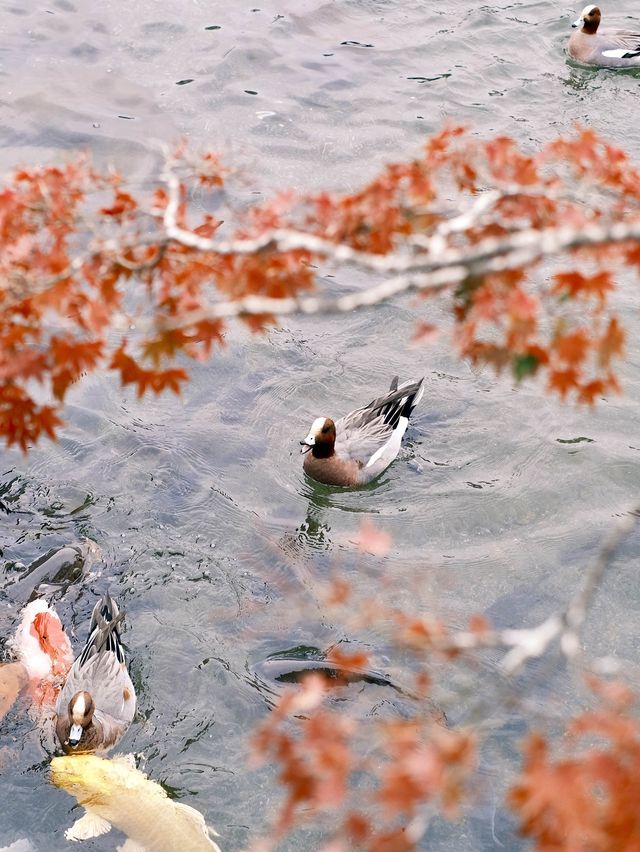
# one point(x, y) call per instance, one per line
point(104, 633)
point(411, 401)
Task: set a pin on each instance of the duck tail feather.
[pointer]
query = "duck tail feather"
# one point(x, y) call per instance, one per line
point(403, 400)
point(105, 607)
point(412, 399)
point(104, 633)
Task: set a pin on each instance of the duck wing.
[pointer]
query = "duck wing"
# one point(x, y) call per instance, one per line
point(364, 432)
point(114, 696)
point(621, 44)
point(359, 438)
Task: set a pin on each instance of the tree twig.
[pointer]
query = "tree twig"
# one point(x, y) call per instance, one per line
point(523, 644)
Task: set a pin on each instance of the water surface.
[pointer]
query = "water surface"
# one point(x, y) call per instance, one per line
point(210, 536)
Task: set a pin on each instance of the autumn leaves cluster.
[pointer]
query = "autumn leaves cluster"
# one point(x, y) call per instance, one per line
point(93, 277)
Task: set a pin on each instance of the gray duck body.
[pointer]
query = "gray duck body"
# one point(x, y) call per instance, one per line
point(361, 445)
point(98, 701)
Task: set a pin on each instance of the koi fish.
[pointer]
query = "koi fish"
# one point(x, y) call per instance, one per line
point(114, 792)
point(13, 679)
point(53, 572)
point(44, 656)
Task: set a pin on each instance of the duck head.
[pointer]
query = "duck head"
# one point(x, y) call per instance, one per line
point(589, 20)
point(321, 438)
point(81, 708)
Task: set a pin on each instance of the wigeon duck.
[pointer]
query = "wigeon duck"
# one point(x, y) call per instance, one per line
point(358, 447)
point(98, 701)
point(607, 48)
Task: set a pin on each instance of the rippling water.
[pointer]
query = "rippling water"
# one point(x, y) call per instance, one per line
point(209, 534)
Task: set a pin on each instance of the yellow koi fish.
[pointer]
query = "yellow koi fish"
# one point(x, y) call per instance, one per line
point(115, 792)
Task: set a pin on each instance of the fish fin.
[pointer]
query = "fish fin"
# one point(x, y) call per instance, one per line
point(196, 819)
point(126, 760)
point(88, 826)
point(131, 846)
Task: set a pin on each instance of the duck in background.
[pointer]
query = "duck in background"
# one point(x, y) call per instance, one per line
point(362, 444)
point(605, 48)
point(98, 701)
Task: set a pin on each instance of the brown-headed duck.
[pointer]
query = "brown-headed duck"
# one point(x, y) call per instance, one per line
point(607, 48)
point(98, 701)
point(358, 447)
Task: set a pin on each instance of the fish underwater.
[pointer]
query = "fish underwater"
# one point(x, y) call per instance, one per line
point(13, 679)
point(41, 644)
point(43, 654)
point(51, 574)
point(115, 792)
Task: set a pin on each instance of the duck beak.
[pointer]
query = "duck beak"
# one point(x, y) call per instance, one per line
point(308, 442)
point(75, 735)
point(577, 23)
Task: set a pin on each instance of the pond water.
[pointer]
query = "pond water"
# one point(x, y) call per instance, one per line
point(209, 534)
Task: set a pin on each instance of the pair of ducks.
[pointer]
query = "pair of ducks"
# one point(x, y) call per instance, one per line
point(606, 48)
point(97, 702)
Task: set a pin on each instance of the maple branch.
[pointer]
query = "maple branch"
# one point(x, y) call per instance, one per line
point(23, 286)
point(578, 608)
point(532, 243)
point(515, 249)
point(426, 264)
point(426, 283)
point(529, 643)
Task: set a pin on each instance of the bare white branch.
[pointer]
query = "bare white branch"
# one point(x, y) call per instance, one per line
point(427, 264)
point(526, 644)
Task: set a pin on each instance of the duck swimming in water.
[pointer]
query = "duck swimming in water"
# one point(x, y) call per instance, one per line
point(606, 48)
point(98, 701)
point(361, 445)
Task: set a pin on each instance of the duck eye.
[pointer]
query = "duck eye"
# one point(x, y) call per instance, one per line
point(325, 429)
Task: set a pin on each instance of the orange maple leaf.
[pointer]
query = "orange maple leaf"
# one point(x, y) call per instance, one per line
point(563, 381)
point(590, 390)
point(572, 347)
point(575, 284)
point(611, 343)
point(371, 539)
point(522, 306)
